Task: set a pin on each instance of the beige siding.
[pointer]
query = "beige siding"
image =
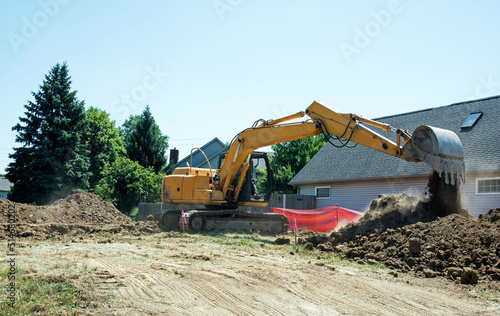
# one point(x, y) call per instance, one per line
point(477, 203)
point(358, 195)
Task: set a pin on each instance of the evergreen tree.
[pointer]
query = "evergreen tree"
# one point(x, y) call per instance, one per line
point(104, 143)
point(144, 141)
point(52, 161)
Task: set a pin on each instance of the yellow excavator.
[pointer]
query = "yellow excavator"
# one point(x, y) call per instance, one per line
point(208, 198)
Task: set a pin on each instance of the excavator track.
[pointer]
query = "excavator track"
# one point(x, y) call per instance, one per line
point(203, 220)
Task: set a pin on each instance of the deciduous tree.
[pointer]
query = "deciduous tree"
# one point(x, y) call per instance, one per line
point(126, 183)
point(104, 142)
point(289, 158)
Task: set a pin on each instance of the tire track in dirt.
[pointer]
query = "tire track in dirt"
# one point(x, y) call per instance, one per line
point(224, 288)
point(140, 288)
point(371, 293)
point(219, 282)
point(241, 281)
point(135, 289)
point(233, 277)
point(364, 296)
point(268, 282)
point(165, 283)
point(364, 293)
point(216, 289)
point(220, 298)
point(273, 277)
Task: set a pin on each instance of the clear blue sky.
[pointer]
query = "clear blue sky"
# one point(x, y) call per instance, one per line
point(211, 68)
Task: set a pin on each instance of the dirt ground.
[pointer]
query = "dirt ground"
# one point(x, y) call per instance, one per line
point(398, 259)
point(170, 274)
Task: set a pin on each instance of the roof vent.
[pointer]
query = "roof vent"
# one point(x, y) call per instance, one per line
point(472, 120)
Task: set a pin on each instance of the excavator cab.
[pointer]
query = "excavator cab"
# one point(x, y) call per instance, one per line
point(258, 180)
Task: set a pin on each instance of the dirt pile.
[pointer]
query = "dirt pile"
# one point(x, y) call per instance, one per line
point(454, 246)
point(397, 211)
point(386, 212)
point(77, 214)
point(405, 234)
point(430, 237)
point(79, 208)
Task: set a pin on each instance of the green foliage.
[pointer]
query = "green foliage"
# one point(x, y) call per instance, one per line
point(170, 168)
point(128, 127)
point(288, 159)
point(282, 176)
point(53, 159)
point(104, 142)
point(126, 183)
point(144, 141)
point(66, 149)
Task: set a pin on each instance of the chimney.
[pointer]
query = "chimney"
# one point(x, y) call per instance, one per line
point(174, 156)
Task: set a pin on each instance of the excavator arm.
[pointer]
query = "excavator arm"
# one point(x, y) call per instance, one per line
point(440, 149)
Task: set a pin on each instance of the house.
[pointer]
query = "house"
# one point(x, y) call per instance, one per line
point(353, 177)
point(212, 150)
point(4, 187)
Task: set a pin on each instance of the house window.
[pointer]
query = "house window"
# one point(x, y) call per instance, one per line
point(472, 120)
point(322, 192)
point(488, 186)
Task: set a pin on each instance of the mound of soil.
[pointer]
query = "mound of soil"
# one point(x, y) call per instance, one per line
point(82, 208)
point(75, 215)
point(430, 237)
point(389, 212)
point(405, 234)
point(451, 247)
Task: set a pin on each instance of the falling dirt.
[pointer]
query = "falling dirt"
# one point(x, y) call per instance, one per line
point(444, 198)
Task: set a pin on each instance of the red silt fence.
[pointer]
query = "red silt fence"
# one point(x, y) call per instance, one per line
point(321, 220)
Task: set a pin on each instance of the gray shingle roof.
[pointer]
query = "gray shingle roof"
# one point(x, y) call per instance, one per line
point(4, 184)
point(481, 146)
point(212, 149)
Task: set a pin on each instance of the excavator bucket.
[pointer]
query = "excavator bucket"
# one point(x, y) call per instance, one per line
point(439, 148)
